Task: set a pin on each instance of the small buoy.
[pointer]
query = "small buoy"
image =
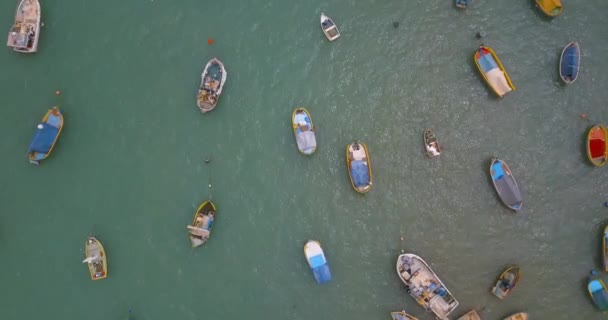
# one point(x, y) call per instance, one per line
point(57, 92)
point(40, 126)
point(593, 272)
point(481, 34)
point(396, 24)
point(606, 204)
point(583, 116)
point(401, 238)
point(210, 41)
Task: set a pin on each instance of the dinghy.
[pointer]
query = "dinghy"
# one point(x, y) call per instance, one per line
point(569, 63)
point(462, 4)
point(493, 71)
point(47, 133)
point(518, 316)
point(506, 282)
point(505, 184)
point(24, 35)
point(402, 315)
point(359, 167)
point(431, 144)
point(317, 261)
point(598, 291)
point(471, 315)
point(425, 286)
point(605, 248)
point(304, 131)
point(95, 258)
point(329, 28)
point(213, 79)
point(551, 8)
point(596, 145)
point(200, 229)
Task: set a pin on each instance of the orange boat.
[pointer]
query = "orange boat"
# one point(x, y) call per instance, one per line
point(596, 145)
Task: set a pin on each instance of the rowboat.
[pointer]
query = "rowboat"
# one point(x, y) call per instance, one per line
point(506, 282)
point(505, 184)
point(317, 261)
point(569, 62)
point(598, 291)
point(493, 71)
point(47, 133)
point(596, 145)
point(425, 286)
point(95, 258)
point(431, 144)
point(304, 131)
point(463, 4)
point(551, 8)
point(213, 79)
point(200, 229)
point(359, 167)
point(402, 315)
point(329, 28)
point(518, 316)
point(471, 315)
point(24, 35)
point(604, 248)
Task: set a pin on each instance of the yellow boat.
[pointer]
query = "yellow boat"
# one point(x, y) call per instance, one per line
point(304, 131)
point(552, 8)
point(518, 316)
point(596, 145)
point(359, 167)
point(47, 134)
point(200, 230)
point(95, 258)
point(493, 71)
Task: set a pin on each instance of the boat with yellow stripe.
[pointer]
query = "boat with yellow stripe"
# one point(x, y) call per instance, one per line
point(46, 136)
point(596, 145)
point(493, 71)
point(200, 229)
point(95, 258)
point(551, 8)
point(359, 167)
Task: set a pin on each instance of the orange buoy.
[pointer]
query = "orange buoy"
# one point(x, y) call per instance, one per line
point(210, 41)
point(57, 92)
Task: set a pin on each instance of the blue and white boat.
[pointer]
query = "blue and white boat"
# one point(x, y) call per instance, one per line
point(47, 133)
point(463, 4)
point(317, 261)
point(505, 184)
point(304, 131)
point(569, 63)
point(598, 291)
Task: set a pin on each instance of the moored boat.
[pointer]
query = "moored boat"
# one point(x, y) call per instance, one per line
point(200, 229)
point(95, 258)
point(213, 79)
point(518, 316)
point(596, 145)
point(493, 71)
point(605, 248)
point(569, 63)
point(402, 315)
point(24, 35)
point(329, 28)
point(304, 131)
point(598, 291)
point(506, 282)
point(317, 262)
point(359, 167)
point(425, 286)
point(431, 144)
point(551, 8)
point(505, 184)
point(471, 315)
point(463, 4)
point(47, 134)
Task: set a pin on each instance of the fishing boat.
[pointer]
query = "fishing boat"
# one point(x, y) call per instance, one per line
point(506, 282)
point(493, 71)
point(317, 261)
point(47, 133)
point(304, 131)
point(431, 144)
point(213, 79)
point(402, 315)
point(569, 63)
point(551, 8)
point(95, 258)
point(505, 184)
point(604, 248)
point(518, 316)
point(359, 167)
point(200, 229)
point(471, 315)
point(425, 286)
point(598, 291)
point(596, 145)
point(24, 35)
point(463, 4)
point(329, 28)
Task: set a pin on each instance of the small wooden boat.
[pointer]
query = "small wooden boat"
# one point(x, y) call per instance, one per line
point(47, 133)
point(431, 144)
point(213, 79)
point(24, 35)
point(329, 28)
point(95, 258)
point(200, 229)
point(518, 316)
point(506, 282)
point(569, 63)
point(463, 4)
point(605, 248)
point(598, 291)
point(551, 8)
point(596, 145)
point(317, 261)
point(471, 315)
point(493, 71)
point(425, 286)
point(359, 167)
point(304, 131)
point(505, 184)
point(402, 315)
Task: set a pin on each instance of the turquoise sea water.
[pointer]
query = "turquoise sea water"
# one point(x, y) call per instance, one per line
point(129, 165)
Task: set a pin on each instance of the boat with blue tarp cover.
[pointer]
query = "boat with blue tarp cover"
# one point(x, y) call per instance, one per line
point(569, 62)
point(505, 184)
point(598, 291)
point(493, 71)
point(402, 315)
point(47, 133)
point(304, 131)
point(604, 248)
point(317, 261)
point(463, 4)
point(359, 167)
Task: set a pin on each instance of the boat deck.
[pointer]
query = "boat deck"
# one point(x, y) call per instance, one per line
point(357, 154)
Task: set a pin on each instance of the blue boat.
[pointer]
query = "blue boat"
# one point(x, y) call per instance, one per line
point(569, 63)
point(317, 261)
point(598, 291)
point(47, 133)
point(505, 184)
point(463, 4)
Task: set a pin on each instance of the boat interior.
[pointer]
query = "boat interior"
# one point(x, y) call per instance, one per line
point(597, 143)
point(357, 153)
point(23, 32)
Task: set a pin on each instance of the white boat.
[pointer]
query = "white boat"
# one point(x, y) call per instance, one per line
point(213, 79)
point(329, 28)
point(317, 261)
point(23, 36)
point(425, 286)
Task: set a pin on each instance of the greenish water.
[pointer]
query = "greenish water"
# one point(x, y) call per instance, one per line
point(129, 165)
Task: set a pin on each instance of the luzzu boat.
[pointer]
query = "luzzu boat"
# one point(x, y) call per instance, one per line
point(596, 145)
point(598, 291)
point(569, 63)
point(213, 79)
point(304, 131)
point(317, 262)
point(200, 230)
point(95, 258)
point(24, 35)
point(505, 184)
point(402, 315)
point(46, 136)
point(551, 8)
point(506, 282)
point(493, 71)
point(359, 167)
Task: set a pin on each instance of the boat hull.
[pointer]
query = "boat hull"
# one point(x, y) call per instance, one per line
point(471, 315)
point(46, 136)
point(359, 165)
point(492, 71)
point(202, 223)
point(505, 184)
point(569, 63)
point(518, 316)
point(304, 131)
point(597, 152)
point(98, 269)
point(23, 36)
point(402, 315)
